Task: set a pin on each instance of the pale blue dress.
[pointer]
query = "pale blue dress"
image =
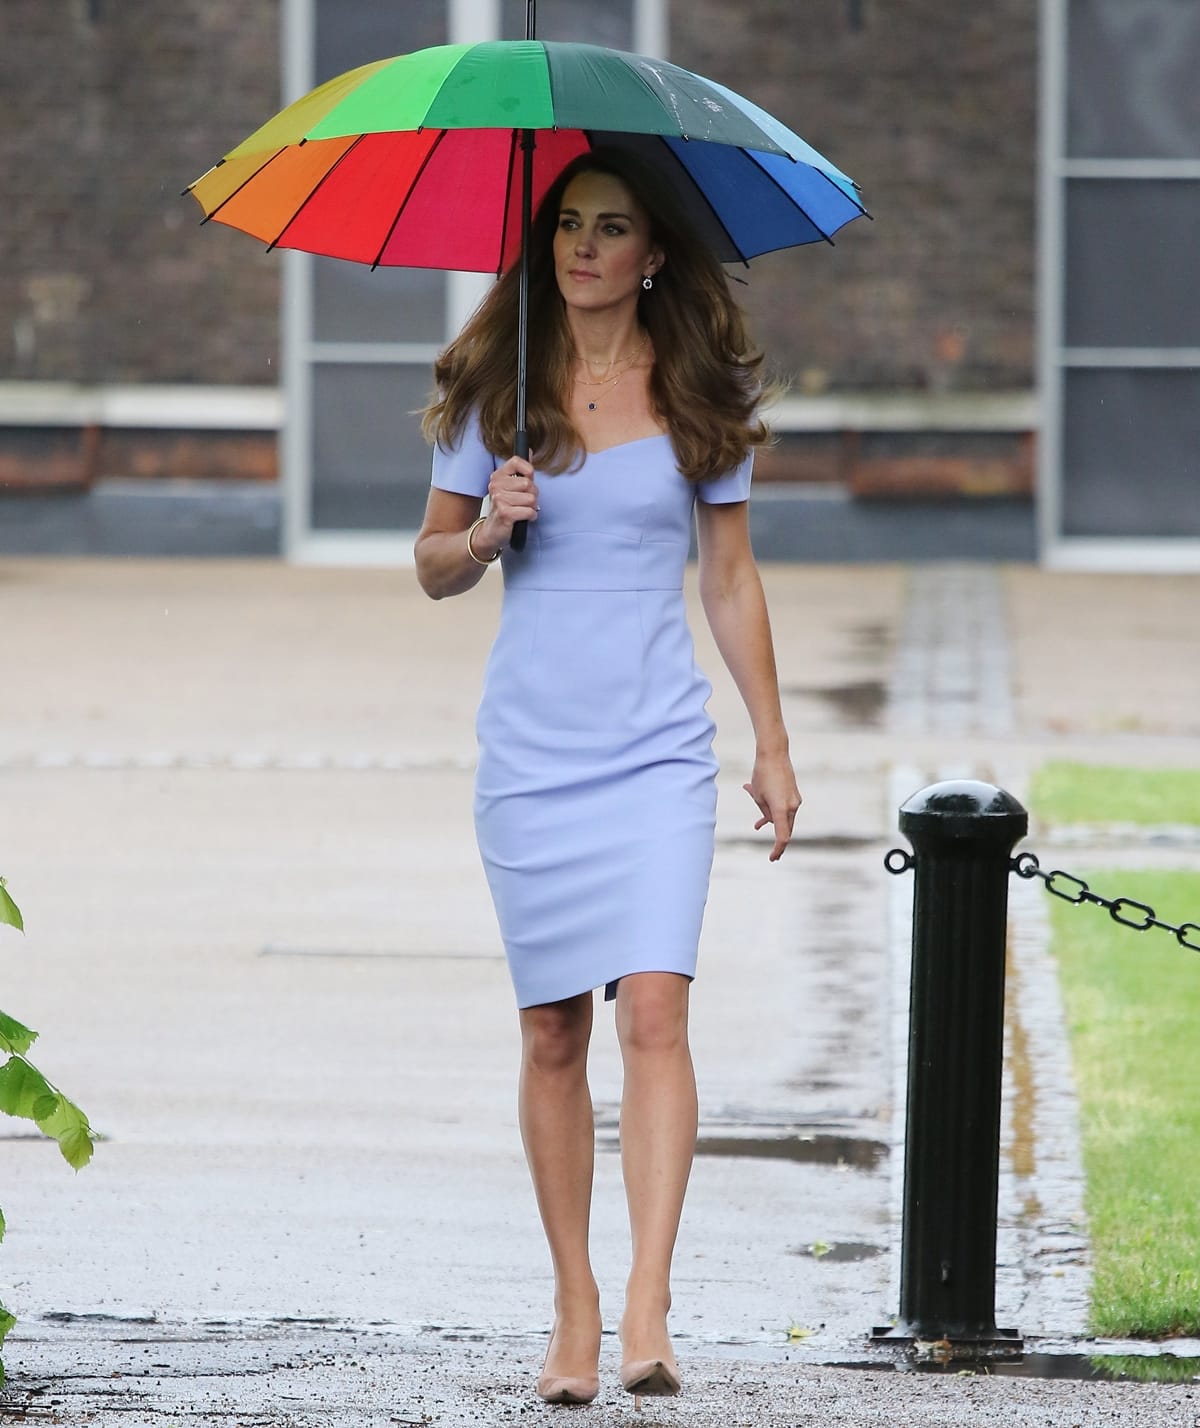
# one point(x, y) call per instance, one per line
point(595, 798)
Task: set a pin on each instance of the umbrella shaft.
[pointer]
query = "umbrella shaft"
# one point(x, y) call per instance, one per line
point(522, 437)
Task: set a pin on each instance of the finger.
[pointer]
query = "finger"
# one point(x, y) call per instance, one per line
point(509, 507)
point(513, 470)
point(514, 475)
point(783, 832)
point(762, 807)
point(510, 482)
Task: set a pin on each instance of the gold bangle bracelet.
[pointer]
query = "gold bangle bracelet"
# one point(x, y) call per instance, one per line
point(471, 549)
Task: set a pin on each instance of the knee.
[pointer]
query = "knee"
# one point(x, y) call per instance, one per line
point(554, 1037)
point(654, 1017)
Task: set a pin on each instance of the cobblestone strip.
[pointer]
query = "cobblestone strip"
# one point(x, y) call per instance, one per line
point(951, 672)
point(905, 780)
point(1045, 1271)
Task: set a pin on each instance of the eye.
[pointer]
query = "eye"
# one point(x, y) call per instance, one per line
point(616, 229)
point(567, 224)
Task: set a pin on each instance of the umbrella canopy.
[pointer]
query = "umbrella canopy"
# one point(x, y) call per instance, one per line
point(415, 161)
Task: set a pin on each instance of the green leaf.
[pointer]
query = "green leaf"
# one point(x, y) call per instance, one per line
point(7, 1321)
point(22, 1085)
point(9, 911)
point(1, 1226)
point(71, 1128)
point(44, 1107)
point(13, 1036)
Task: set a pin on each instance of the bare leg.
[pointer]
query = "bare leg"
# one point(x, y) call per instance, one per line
point(558, 1130)
point(658, 1141)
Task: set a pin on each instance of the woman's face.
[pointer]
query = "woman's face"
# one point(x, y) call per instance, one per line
point(602, 247)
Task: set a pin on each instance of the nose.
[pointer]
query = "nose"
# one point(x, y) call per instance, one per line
point(584, 243)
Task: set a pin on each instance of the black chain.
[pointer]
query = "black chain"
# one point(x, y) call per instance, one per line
point(1125, 910)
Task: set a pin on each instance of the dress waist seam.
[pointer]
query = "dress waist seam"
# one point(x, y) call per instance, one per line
point(590, 589)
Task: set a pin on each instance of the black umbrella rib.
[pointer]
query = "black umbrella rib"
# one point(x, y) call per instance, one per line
point(408, 193)
point(299, 209)
point(268, 160)
point(856, 202)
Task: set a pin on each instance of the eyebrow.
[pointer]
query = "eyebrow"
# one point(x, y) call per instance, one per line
point(574, 212)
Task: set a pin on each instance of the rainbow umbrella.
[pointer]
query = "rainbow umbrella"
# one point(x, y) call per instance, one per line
point(435, 159)
point(414, 161)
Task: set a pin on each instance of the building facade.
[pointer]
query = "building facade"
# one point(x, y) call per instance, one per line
point(145, 355)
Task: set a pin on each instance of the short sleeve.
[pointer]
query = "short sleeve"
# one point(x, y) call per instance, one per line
point(466, 468)
point(733, 486)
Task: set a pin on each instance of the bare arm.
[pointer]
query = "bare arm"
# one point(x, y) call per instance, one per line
point(444, 564)
point(732, 594)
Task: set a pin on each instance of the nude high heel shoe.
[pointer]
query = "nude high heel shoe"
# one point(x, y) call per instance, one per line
point(567, 1390)
point(564, 1389)
point(649, 1378)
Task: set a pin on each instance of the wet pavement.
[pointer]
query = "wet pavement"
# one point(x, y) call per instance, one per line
point(235, 809)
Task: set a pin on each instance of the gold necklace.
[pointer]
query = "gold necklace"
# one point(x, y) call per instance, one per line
point(628, 359)
point(611, 382)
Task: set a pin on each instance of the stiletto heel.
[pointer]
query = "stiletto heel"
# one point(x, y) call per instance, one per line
point(649, 1378)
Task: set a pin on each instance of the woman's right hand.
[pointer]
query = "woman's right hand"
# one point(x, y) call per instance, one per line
point(513, 497)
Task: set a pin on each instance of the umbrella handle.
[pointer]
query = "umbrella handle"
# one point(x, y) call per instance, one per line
point(521, 529)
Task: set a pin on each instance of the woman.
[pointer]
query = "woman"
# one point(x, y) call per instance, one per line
point(595, 796)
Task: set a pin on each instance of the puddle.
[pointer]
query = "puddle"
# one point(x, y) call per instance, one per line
point(859, 705)
point(842, 1252)
point(832, 842)
point(1096, 1368)
point(67, 1316)
point(817, 1149)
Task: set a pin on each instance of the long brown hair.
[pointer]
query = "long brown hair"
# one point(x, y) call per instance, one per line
point(704, 385)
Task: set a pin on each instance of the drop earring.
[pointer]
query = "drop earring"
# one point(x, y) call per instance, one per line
point(647, 282)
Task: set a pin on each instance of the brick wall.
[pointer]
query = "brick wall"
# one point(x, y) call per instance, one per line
point(931, 105)
point(107, 110)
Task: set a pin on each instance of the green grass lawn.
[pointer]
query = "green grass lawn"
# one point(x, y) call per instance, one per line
point(1084, 793)
point(1133, 1008)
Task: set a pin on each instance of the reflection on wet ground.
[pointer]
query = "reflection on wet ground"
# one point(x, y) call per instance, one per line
point(859, 704)
point(842, 1252)
point(815, 1149)
point(1107, 1368)
point(850, 1152)
point(835, 842)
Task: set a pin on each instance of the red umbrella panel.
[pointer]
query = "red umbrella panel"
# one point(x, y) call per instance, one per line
point(430, 199)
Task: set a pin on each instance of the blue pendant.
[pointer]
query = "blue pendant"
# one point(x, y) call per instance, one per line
point(591, 406)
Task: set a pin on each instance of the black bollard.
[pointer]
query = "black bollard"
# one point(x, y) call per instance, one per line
point(962, 833)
